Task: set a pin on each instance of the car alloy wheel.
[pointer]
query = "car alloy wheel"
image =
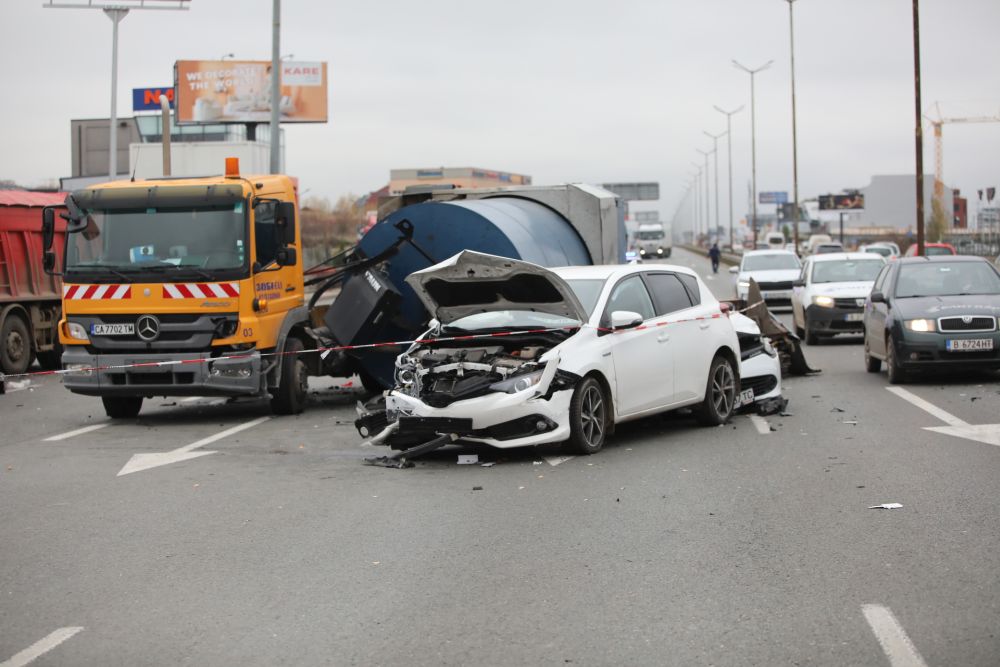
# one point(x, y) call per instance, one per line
point(588, 417)
point(720, 394)
point(896, 373)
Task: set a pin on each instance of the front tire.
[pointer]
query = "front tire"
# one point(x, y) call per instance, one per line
point(122, 407)
point(896, 373)
point(589, 416)
point(720, 394)
point(872, 365)
point(809, 335)
point(15, 345)
point(290, 396)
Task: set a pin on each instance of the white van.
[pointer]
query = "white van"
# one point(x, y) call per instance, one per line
point(651, 240)
point(817, 240)
point(775, 240)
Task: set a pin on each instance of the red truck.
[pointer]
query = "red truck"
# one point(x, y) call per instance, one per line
point(30, 299)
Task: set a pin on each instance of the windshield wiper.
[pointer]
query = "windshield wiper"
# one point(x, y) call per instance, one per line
point(92, 267)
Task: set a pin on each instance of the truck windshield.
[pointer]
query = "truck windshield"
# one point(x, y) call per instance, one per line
point(649, 236)
point(163, 240)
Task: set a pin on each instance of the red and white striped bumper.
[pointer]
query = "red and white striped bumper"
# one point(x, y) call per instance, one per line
point(96, 292)
point(200, 290)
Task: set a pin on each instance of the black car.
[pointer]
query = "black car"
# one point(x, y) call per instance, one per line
point(933, 312)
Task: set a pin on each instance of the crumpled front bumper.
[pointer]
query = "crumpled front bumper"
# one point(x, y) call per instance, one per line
point(225, 377)
point(497, 419)
point(762, 372)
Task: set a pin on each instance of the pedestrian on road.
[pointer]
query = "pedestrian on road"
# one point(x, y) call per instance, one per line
point(714, 254)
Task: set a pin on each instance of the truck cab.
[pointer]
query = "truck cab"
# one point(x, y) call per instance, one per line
point(651, 241)
point(183, 287)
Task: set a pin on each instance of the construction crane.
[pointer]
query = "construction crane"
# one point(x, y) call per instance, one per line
point(938, 124)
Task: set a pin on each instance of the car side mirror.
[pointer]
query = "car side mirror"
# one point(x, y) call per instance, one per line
point(625, 319)
point(48, 227)
point(284, 219)
point(734, 269)
point(799, 283)
point(286, 257)
point(878, 297)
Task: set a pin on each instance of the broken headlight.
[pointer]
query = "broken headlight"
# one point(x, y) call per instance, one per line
point(518, 383)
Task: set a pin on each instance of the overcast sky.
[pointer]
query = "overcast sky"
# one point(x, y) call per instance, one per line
point(563, 90)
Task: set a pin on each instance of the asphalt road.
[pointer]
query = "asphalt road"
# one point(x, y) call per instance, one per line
point(746, 544)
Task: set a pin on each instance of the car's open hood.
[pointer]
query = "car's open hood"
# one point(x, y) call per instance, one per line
point(474, 282)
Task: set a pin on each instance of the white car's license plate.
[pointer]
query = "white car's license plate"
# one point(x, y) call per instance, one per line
point(854, 317)
point(777, 295)
point(969, 344)
point(112, 329)
point(745, 398)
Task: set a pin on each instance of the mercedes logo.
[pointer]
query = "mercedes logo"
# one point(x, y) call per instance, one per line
point(147, 327)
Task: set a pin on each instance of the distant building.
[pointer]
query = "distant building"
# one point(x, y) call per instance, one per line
point(891, 202)
point(960, 210)
point(460, 177)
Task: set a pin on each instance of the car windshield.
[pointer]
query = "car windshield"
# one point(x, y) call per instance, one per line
point(770, 262)
point(649, 236)
point(947, 279)
point(162, 239)
point(587, 291)
point(879, 250)
point(511, 319)
point(846, 270)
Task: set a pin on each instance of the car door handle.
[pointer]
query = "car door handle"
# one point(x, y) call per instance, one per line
point(663, 338)
point(703, 325)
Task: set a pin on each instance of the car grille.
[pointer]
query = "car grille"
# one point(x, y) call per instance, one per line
point(178, 331)
point(851, 304)
point(760, 384)
point(977, 323)
point(784, 284)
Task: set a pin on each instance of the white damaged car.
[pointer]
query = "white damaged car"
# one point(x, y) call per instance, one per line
point(521, 355)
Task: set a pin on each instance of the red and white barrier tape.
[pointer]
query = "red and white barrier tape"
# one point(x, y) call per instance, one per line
point(366, 346)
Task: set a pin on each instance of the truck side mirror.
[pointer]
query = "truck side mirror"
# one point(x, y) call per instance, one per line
point(48, 227)
point(287, 256)
point(49, 261)
point(284, 219)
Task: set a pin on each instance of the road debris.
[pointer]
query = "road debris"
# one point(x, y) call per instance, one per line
point(836, 410)
point(477, 488)
point(852, 423)
point(886, 506)
point(468, 459)
point(488, 464)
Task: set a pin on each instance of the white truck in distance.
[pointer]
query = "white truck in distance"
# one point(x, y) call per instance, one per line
point(651, 240)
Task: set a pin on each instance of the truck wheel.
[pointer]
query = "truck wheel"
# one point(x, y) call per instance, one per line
point(122, 407)
point(588, 417)
point(15, 345)
point(720, 393)
point(290, 397)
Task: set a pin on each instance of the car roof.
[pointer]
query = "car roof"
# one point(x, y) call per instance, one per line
point(605, 271)
point(943, 258)
point(834, 256)
point(771, 251)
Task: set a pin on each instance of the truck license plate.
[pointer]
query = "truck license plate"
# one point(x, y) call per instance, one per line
point(854, 317)
point(112, 329)
point(745, 398)
point(969, 344)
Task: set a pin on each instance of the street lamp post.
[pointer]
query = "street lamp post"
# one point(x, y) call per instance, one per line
point(715, 149)
point(729, 147)
point(276, 88)
point(795, 147)
point(116, 11)
point(753, 139)
point(919, 130)
point(708, 208)
point(697, 201)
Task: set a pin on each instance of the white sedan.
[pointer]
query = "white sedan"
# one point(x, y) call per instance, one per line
point(522, 355)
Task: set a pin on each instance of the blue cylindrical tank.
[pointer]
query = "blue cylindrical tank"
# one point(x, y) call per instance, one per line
point(505, 226)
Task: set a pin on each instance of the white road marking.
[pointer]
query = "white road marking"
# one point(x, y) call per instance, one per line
point(40, 648)
point(890, 634)
point(556, 460)
point(79, 431)
point(927, 406)
point(760, 424)
point(140, 462)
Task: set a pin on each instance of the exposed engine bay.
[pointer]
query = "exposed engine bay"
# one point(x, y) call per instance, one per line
point(440, 376)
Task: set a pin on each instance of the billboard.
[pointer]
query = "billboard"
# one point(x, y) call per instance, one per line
point(634, 191)
point(239, 91)
point(773, 197)
point(841, 202)
point(148, 99)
